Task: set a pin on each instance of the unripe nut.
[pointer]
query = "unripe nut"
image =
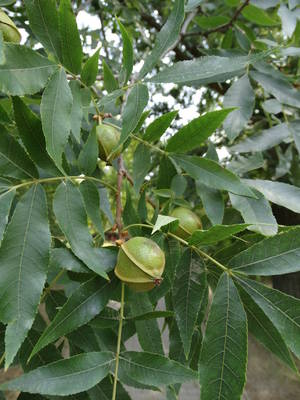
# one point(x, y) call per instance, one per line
point(189, 222)
point(140, 264)
point(9, 29)
point(108, 138)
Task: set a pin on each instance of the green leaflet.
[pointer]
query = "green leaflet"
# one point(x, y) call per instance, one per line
point(65, 377)
point(56, 108)
point(24, 256)
point(25, 71)
point(223, 358)
point(71, 216)
point(84, 304)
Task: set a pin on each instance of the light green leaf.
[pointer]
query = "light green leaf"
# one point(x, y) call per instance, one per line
point(211, 21)
point(204, 70)
point(163, 220)
point(6, 199)
point(158, 127)
point(141, 165)
point(111, 98)
point(88, 156)
point(288, 20)
point(134, 107)
point(153, 369)
point(127, 61)
point(281, 309)
point(295, 129)
point(2, 53)
point(109, 80)
point(188, 293)
point(71, 216)
point(262, 329)
point(281, 89)
point(25, 71)
point(83, 305)
point(243, 164)
point(215, 234)
point(191, 4)
point(90, 69)
point(273, 256)
point(14, 161)
point(283, 194)
point(241, 95)
point(70, 39)
point(166, 38)
point(24, 258)
point(31, 133)
point(65, 377)
point(272, 106)
point(65, 259)
point(258, 16)
point(77, 109)
point(43, 20)
point(264, 140)
point(212, 201)
point(257, 212)
point(91, 199)
point(147, 330)
point(56, 108)
point(223, 358)
point(212, 174)
point(196, 132)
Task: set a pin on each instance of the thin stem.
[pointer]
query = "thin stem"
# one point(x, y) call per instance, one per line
point(52, 283)
point(133, 225)
point(2, 359)
point(152, 146)
point(119, 343)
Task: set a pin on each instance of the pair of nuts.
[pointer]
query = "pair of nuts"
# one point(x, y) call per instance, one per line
point(141, 261)
point(8, 28)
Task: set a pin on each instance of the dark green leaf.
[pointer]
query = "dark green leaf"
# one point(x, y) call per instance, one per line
point(65, 259)
point(262, 328)
point(240, 95)
point(188, 290)
point(6, 199)
point(88, 156)
point(64, 377)
point(223, 359)
point(281, 309)
point(77, 109)
point(273, 256)
point(91, 199)
point(147, 330)
point(14, 161)
point(127, 61)
point(212, 201)
point(166, 38)
point(109, 80)
point(31, 133)
point(257, 212)
point(56, 107)
point(84, 304)
point(295, 129)
point(215, 234)
point(90, 69)
point(111, 98)
point(258, 16)
point(151, 315)
point(141, 165)
point(103, 391)
point(212, 174)
point(279, 193)
point(134, 107)
point(24, 256)
point(158, 127)
point(25, 71)
point(264, 140)
point(130, 215)
point(70, 39)
point(43, 20)
point(153, 369)
point(71, 216)
point(211, 21)
point(196, 132)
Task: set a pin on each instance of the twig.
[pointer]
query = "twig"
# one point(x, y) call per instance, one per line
point(222, 28)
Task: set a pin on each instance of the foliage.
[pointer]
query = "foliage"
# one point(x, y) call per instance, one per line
point(64, 211)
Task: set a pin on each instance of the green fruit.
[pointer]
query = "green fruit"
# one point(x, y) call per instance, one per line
point(108, 139)
point(140, 264)
point(9, 29)
point(188, 222)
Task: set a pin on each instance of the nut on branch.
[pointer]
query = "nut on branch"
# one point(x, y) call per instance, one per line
point(189, 222)
point(8, 28)
point(140, 264)
point(108, 139)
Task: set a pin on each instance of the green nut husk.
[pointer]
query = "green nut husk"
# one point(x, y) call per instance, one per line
point(8, 28)
point(189, 222)
point(108, 139)
point(140, 264)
